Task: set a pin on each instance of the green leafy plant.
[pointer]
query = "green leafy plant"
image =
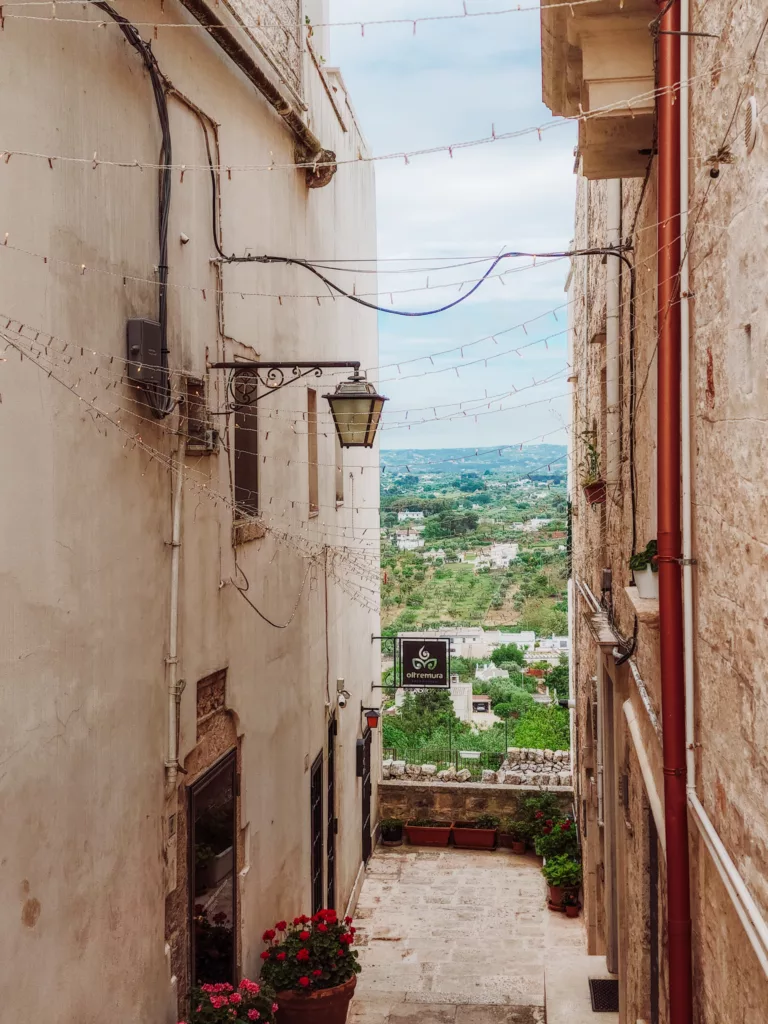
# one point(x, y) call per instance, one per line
point(390, 824)
point(487, 821)
point(645, 558)
point(559, 837)
point(221, 1003)
point(429, 823)
point(519, 831)
point(562, 871)
point(570, 899)
point(590, 463)
point(312, 953)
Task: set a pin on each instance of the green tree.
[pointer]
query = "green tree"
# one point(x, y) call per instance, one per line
point(558, 679)
point(508, 652)
point(544, 726)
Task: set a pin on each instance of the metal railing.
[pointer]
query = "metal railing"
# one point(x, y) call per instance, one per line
point(475, 760)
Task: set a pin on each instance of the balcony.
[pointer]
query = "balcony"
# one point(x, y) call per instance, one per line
point(599, 56)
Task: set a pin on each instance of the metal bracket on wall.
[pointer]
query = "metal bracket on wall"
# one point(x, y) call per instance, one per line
point(245, 377)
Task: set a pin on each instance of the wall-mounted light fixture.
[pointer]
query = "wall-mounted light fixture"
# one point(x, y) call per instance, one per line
point(372, 716)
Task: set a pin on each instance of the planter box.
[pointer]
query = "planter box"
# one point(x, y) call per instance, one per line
point(595, 493)
point(467, 838)
point(647, 583)
point(428, 835)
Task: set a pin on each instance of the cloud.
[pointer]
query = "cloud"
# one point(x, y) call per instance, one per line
point(451, 82)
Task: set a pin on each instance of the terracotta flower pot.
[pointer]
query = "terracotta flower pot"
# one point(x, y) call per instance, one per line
point(468, 838)
point(571, 911)
point(518, 847)
point(324, 1006)
point(556, 893)
point(595, 493)
point(428, 835)
point(505, 840)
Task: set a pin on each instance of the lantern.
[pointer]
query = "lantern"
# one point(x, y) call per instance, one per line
point(372, 716)
point(356, 408)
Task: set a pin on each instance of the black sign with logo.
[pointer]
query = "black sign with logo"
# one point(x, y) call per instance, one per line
point(425, 662)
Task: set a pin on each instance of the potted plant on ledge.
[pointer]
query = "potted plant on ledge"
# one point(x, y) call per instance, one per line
point(476, 835)
point(427, 832)
point(563, 876)
point(312, 968)
point(391, 831)
point(514, 835)
point(592, 481)
point(645, 569)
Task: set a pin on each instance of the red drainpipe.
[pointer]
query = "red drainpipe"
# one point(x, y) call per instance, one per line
point(669, 533)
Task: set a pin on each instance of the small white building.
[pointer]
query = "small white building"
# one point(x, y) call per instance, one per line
point(502, 554)
point(461, 695)
point(404, 516)
point(485, 673)
point(434, 555)
point(407, 541)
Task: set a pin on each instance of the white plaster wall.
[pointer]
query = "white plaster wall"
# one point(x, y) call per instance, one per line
point(85, 518)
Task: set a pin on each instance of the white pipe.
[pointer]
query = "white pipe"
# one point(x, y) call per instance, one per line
point(746, 907)
point(657, 807)
point(174, 689)
point(612, 363)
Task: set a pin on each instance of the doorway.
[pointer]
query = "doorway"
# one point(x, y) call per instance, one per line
point(212, 866)
point(331, 821)
point(316, 825)
point(367, 792)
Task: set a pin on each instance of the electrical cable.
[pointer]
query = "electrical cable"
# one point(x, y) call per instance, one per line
point(159, 396)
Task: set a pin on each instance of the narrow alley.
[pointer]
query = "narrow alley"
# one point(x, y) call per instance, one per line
point(464, 937)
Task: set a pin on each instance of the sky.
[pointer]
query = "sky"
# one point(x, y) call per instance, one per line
point(454, 81)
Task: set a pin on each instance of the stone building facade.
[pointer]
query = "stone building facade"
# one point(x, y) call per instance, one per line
point(182, 595)
point(599, 64)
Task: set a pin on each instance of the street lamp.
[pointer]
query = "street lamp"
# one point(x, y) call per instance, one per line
point(355, 404)
point(372, 716)
point(356, 409)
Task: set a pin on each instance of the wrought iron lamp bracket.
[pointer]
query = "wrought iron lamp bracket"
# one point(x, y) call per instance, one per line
point(245, 377)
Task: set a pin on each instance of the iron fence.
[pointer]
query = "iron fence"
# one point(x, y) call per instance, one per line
point(442, 757)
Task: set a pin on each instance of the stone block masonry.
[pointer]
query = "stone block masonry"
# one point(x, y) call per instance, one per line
point(522, 767)
point(458, 801)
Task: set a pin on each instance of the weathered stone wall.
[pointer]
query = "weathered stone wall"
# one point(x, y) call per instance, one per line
point(457, 801)
point(522, 767)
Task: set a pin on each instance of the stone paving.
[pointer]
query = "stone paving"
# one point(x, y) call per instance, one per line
point(456, 937)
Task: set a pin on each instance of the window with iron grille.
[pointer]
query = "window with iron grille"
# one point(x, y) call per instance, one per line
point(275, 27)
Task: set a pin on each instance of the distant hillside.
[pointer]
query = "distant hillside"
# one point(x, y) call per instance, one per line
point(456, 460)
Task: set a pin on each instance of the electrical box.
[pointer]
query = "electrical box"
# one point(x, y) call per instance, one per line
point(144, 352)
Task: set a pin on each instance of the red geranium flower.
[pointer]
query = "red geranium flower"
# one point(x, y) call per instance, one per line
point(347, 920)
point(268, 935)
point(539, 814)
point(322, 927)
point(303, 954)
point(265, 955)
point(317, 973)
point(546, 831)
point(340, 952)
point(303, 936)
point(303, 918)
point(281, 956)
point(297, 920)
point(565, 825)
point(280, 926)
point(304, 982)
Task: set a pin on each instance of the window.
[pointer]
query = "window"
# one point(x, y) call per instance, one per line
point(314, 506)
point(316, 835)
point(246, 462)
point(339, 470)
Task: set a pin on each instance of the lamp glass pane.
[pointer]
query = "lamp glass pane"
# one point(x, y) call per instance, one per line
point(355, 419)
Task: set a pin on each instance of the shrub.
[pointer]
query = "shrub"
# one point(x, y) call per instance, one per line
point(487, 821)
point(312, 953)
point(562, 837)
point(562, 871)
point(520, 831)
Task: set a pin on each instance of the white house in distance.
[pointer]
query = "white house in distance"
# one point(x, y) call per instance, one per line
point(402, 517)
point(473, 642)
point(407, 541)
point(532, 526)
point(502, 554)
point(486, 673)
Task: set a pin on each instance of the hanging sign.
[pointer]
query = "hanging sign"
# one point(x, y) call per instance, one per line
point(425, 662)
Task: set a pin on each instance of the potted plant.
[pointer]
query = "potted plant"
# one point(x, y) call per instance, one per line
point(312, 968)
point(514, 834)
point(428, 832)
point(591, 479)
point(479, 834)
point(563, 875)
point(645, 569)
point(570, 904)
point(560, 837)
point(391, 831)
point(222, 1003)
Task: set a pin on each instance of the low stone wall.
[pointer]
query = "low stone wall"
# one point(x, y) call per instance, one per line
point(522, 767)
point(458, 801)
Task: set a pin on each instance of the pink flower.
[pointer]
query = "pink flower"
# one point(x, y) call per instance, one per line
point(250, 986)
point(253, 1015)
point(235, 998)
point(275, 1007)
point(218, 1001)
